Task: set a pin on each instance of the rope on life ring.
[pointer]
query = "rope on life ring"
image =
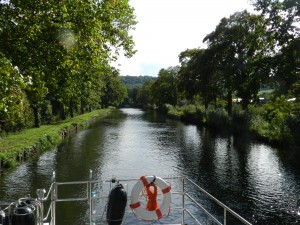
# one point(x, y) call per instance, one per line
point(153, 211)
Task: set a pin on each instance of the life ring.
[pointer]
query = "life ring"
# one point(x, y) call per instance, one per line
point(136, 205)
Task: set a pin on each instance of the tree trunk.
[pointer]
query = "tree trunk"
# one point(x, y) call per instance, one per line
point(36, 116)
point(71, 109)
point(62, 112)
point(245, 103)
point(206, 105)
point(229, 102)
point(81, 106)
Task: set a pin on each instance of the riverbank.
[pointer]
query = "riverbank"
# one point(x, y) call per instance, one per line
point(279, 131)
point(15, 148)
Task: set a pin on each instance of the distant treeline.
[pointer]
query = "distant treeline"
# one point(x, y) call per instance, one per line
point(136, 81)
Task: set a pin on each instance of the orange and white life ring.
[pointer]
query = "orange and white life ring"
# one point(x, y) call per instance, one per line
point(136, 205)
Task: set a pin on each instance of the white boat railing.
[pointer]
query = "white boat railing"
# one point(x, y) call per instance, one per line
point(184, 192)
point(90, 198)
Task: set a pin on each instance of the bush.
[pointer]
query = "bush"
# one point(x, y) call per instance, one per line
point(257, 122)
point(189, 109)
point(277, 122)
point(293, 123)
point(240, 119)
point(277, 114)
point(217, 117)
point(8, 160)
point(189, 112)
point(174, 112)
point(194, 113)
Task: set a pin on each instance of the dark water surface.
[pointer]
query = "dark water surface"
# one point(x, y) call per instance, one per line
point(259, 182)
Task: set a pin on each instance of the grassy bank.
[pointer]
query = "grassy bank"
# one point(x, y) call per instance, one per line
point(14, 148)
point(276, 123)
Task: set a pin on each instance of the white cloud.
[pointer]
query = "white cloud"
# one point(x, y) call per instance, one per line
point(168, 27)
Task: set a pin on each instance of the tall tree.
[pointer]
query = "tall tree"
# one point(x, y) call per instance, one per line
point(63, 47)
point(12, 97)
point(164, 89)
point(198, 76)
point(286, 67)
point(115, 91)
point(282, 23)
point(187, 83)
point(240, 50)
point(144, 95)
point(282, 20)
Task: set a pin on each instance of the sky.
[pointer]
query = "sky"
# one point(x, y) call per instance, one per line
point(167, 27)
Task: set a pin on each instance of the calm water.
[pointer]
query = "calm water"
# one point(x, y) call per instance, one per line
point(258, 181)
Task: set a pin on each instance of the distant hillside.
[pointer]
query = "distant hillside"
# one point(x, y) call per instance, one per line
point(136, 81)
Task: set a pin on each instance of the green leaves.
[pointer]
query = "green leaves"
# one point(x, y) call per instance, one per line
point(282, 19)
point(239, 45)
point(282, 24)
point(64, 47)
point(12, 96)
point(164, 88)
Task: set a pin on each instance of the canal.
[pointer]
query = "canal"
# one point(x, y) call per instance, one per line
point(260, 182)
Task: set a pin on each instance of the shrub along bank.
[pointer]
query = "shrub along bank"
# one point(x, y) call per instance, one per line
point(15, 148)
point(276, 123)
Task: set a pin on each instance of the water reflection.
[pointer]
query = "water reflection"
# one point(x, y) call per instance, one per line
point(260, 182)
point(28, 177)
point(137, 147)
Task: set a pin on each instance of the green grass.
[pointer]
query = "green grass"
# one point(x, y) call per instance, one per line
point(44, 137)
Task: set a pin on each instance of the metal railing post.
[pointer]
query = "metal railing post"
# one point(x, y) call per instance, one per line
point(41, 193)
point(89, 194)
point(225, 216)
point(183, 207)
point(53, 199)
point(244, 221)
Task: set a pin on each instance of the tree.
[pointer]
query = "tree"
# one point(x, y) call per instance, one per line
point(282, 19)
point(115, 90)
point(164, 89)
point(144, 95)
point(18, 37)
point(63, 48)
point(197, 75)
point(286, 67)
point(282, 24)
point(240, 49)
point(186, 77)
point(13, 102)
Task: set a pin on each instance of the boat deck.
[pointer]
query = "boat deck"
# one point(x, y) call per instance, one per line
point(190, 203)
